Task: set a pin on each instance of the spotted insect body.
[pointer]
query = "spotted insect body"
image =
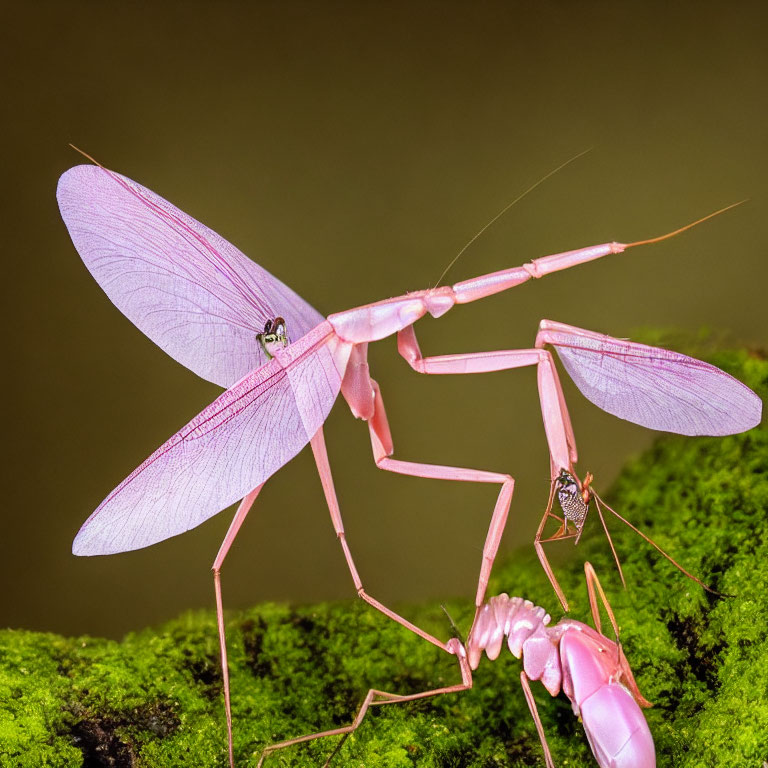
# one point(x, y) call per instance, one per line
point(573, 500)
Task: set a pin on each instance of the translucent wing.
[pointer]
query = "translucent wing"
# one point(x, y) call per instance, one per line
point(236, 443)
point(193, 293)
point(653, 387)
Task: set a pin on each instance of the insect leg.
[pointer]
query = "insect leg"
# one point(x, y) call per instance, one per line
point(234, 527)
point(536, 719)
point(326, 478)
point(383, 448)
point(557, 422)
point(375, 697)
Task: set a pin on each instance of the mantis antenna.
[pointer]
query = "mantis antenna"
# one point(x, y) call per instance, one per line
point(506, 208)
point(687, 226)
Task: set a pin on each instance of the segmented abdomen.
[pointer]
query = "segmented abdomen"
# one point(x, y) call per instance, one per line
point(525, 627)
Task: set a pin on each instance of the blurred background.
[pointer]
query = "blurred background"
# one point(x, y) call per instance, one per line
point(352, 149)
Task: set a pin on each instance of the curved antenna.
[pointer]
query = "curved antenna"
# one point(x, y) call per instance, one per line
point(506, 208)
point(610, 540)
point(686, 227)
point(86, 155)
point(660, 550)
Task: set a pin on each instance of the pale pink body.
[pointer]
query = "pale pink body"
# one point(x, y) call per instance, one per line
point(215, 311)
point(585, 664)
point(590, 669)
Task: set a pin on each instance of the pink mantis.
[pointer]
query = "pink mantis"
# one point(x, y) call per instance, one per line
point(591, 670)
point(231, 322)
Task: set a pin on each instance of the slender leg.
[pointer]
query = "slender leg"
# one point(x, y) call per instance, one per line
point(565, 416)
point(538, 543)
point(598, 505)
point(536, 719)
point(593, 587)
point(626, 677)
point(324, 469)
point(383, 447)
point(557, 424)
point(375, 697)
point(234, 527)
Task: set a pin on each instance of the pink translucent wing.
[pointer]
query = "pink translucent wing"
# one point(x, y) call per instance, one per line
point(653, 387)
point(193, 293)
point(236, 443)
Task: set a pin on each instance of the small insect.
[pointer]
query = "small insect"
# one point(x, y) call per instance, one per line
point(573, 497)
point(274, 333)
point(230, 321)
point(591, 670)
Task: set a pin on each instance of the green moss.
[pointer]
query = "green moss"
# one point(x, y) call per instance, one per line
point(154, 699)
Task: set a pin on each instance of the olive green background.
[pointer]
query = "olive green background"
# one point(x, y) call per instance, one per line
point(352, 149)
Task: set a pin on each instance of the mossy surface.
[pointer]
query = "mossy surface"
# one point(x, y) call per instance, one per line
point(155, 698)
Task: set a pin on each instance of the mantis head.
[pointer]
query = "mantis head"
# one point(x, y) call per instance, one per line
point(274, 334)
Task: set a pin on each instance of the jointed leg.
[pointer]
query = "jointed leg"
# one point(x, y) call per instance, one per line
point(626, 677)
point(524, 681)
point(557, 422)
point(657, 548)
point(595, 589)
point(234, 527)
point(383, 447)
point(375, 697)
point(538, 543)
point(598, 506)
point(326, 478)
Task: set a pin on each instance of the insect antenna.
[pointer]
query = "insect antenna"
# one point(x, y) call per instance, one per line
point(660, 550)
point(686, 227)
point(598, 502)
point(455, 631)
point(87, 156)
point(506, 208)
